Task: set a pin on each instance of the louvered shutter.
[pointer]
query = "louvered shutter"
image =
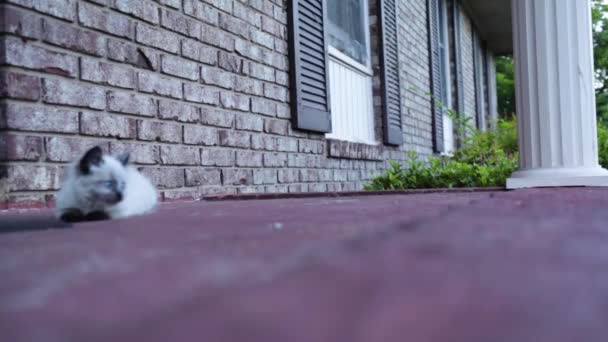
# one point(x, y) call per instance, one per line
point(479, 95)
point(389, 58)
point(435, 67)
point(308, 65)
point(458, 58)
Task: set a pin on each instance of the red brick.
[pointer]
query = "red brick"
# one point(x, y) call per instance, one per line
point(22, 54)
point(132, 104)
point(27, 201)
point(19, 86)
point(180, 155)
point(100, 19)
point(69, 37)
point(158, 38)
point(165, 178)
point(19, 22)
point(107, 74)
point(144, 10)
point(139, 153)
point(199, 135)
point(65, 149)
point(73, 93)
point(20, 147)
point(26, 117)
point(178, 111)
point(198, 177)
point(28, 177)
point(153, 83)
point(159, 131)
point(64, 9)
point(107, 125)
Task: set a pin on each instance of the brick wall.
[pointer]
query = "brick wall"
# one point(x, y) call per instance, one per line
point(468, 69)
point(197, 90)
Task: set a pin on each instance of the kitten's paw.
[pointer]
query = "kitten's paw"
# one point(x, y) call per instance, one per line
point(72, 215)
point(97, 216)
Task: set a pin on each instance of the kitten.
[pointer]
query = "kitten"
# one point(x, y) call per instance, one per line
point(101, 187)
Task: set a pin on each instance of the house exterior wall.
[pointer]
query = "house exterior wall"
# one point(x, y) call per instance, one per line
point(468, 67)
point(197, 90)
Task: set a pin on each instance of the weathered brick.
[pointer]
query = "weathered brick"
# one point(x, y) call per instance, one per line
point(326, 175)
point(201, 94)
point(300, 160)
point(180, 155)
point(249, 86)
point(287, 145)
point(353, 175)
point(280, 15)
point(275, 159)
point(298, 188)
point(263, 142)
point(129, 53)
point(263, 106)
point(19, 86)
point(276, 126)
point(20, 147)
point(311, 146)
point(198, 177)
point(33, 177)
point(26, 117)
point(179, 111)
point(289, 176)
point(164, 178)
point(237, 177)
point(282, 78)
point(69, 37)
point(159, 131)
point(215, 117)
point(230, 62)
point(100, 19)
point(19, 22)
point(283, 111)
point(139, 153)
point(250, 190)
point(221, 157)
point(234, 25)
point(153, 83)
point(180, 195)
point(224, 5)
point(199, 52)
point(261, 72)
point(65, 149)
point(22, 54)
point(106, 73)
point(263, 6)
point(202, 11)
point(276, 92)
point(199, 135)
point(181, 68)
point(309, 176)
point(216, 77)
point(248, 159)
point(262, 38)
point(234, 101)
point(276, 189)
point(64, 9)
point(340, 175)
point(180, 23)
point(264, 177)
point(73, 93)
point(281, 46)
point(273, 27)
point(131, 103)
point(235, 139)
point(248, 49)
point(158, 38)
point(171, 3)
point(316, 187)
point(249, 122)
point(107, 125)
point(144, 10)
point(217, 37)
point(248, 14)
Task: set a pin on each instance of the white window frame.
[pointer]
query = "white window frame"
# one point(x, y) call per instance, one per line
point(337, 56)
point(446, 83)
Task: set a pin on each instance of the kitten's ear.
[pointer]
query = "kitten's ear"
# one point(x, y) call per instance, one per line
point(124, 158)
point(92, 157)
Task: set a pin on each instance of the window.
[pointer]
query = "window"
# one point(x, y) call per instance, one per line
point(446, 91)
point(350, 74)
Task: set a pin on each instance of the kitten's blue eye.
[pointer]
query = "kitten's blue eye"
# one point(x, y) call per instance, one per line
point(108, 184)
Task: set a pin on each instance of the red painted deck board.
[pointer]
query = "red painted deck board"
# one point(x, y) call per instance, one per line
point(499, 266)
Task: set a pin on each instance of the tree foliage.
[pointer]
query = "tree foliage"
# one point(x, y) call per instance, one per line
point(505, 86)
point(600, 51)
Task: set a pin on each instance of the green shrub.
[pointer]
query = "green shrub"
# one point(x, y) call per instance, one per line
point(602, 143)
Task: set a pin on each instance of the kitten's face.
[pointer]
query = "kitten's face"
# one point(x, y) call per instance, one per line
point(101, 178)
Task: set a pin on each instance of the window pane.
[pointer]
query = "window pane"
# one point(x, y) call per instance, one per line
point(347, 28)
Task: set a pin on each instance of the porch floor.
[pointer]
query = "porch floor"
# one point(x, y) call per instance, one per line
point(528, 265)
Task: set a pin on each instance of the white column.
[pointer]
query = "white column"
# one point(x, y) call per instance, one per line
point(555, 95)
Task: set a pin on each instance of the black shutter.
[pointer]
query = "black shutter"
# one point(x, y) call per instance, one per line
point(308, 65)
point(435, 68)
point(458, 58)
point(479, 105)
point(389, 59)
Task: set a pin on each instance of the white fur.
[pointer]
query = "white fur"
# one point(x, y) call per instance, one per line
point(139, 195)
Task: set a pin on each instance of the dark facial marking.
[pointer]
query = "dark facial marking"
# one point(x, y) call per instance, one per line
point(124, 158)
point(92, 157)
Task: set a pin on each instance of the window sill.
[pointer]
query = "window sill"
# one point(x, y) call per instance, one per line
point(351, 150)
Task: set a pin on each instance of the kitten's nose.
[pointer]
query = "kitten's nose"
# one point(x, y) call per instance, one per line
point(119, 196)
